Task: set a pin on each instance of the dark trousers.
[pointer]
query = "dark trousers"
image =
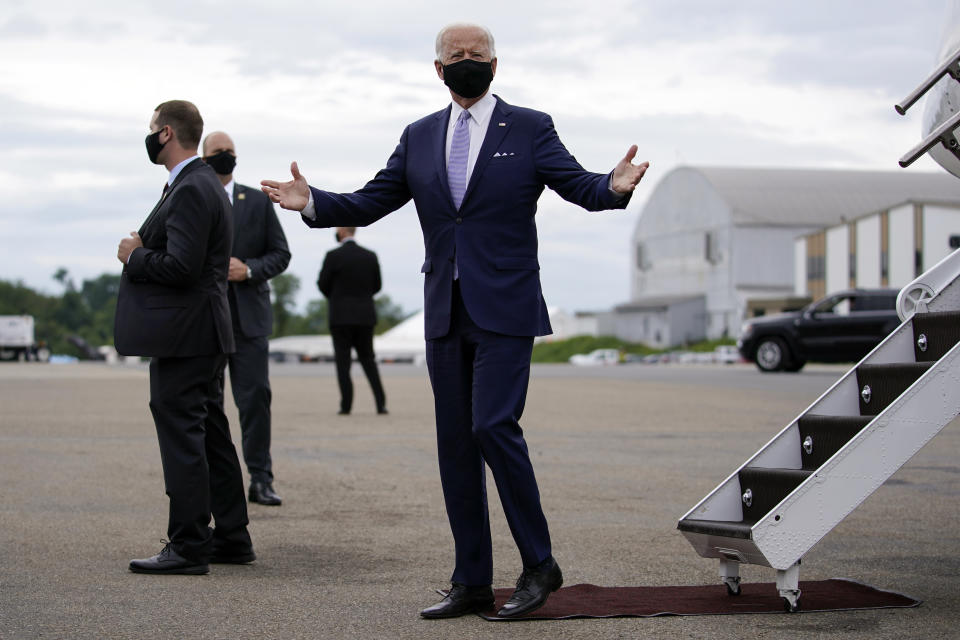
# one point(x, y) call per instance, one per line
point(200, 466)
point(479, 383)
point(360, 337)
point(250, 382)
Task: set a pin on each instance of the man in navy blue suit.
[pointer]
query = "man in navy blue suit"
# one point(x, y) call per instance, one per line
point(475, 171)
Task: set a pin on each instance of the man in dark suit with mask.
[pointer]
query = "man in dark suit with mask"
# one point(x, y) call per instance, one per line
point(475, 171)
point(172, 306)
point(349, 278)
point(259, 253)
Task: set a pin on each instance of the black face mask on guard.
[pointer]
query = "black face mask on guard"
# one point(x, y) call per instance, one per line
point(468, 78)
point(153, 146)
point(223, 163)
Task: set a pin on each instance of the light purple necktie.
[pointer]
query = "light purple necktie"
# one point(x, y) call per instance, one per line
point(457, 165)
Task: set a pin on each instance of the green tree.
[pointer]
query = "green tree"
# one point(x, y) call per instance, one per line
point(73, 313)
point(100, 296)
point(389, 314)
point(19, 300)
point(317, 319)
point(284, 289)
point(88, 312)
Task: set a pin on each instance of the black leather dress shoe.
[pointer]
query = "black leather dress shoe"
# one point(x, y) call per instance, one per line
point(169, 561)
point(262, 493)
point(460, 601)
point(533, 587)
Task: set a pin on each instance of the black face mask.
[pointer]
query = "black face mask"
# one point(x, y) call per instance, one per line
point(154, 147)
point(468, 78)
point(223, 162)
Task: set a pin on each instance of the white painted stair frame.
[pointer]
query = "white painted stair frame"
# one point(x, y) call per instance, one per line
point(782, 537)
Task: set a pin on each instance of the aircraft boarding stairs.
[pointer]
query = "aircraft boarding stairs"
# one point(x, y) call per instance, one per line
point(818, 469)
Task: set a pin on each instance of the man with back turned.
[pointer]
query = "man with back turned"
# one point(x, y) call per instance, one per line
point(475, 171)
point(349, 278)
point(172, 306)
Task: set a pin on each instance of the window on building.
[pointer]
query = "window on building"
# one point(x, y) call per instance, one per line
point(885, 249)
point(711, 247)
point(917, 240)
point(852, 253)
point(817, 264)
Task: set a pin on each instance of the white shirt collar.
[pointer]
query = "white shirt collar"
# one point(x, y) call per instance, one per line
point(177, 169)
point(480, 111)
point(229, 189)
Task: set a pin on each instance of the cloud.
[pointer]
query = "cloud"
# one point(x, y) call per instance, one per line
point(22, 27)
point(332, 85)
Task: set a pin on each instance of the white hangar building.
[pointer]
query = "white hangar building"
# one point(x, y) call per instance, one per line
point(715, 245)
point(886, 248)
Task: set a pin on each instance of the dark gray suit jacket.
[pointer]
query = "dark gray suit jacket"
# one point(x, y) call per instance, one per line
point(259, 241)
point(173, 292)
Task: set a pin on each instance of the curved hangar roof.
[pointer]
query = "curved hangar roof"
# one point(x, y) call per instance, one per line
point(820, 196)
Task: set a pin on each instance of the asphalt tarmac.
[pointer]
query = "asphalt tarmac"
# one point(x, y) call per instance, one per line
point(362, 540)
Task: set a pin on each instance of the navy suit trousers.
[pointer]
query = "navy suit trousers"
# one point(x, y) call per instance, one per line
point(479, 381)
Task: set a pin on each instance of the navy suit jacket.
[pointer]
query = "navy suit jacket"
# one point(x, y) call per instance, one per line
point(173, 292)
point(493, 236)
point(259, 241)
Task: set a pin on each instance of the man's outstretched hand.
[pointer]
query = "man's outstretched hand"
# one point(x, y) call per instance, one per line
point(293, 195)
point(626, 175)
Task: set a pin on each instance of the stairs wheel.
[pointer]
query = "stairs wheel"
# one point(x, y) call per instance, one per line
point(790, 607)
point(731, 591)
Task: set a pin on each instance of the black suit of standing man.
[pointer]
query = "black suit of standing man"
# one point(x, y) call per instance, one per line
point(349, 278)
point(259, 253)
point(172, 306)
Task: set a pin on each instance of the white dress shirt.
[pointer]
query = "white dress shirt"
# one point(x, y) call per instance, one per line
point(177, 169)
point(229, 189)
point(477, 125)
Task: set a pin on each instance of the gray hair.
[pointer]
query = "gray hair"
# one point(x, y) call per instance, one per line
point(460, 25)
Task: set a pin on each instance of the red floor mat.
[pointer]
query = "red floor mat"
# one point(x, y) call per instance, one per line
point(591, 601)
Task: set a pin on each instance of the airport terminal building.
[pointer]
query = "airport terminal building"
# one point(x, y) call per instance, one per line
point(714, 246)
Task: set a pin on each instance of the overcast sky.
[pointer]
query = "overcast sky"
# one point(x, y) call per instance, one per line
point(332, 84)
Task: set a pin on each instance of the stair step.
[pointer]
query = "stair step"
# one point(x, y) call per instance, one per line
point(881, 384)
point(940, 331)
point(767, 488)
point(827, 435)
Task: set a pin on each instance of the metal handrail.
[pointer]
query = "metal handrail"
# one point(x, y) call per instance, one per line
point(915, 296)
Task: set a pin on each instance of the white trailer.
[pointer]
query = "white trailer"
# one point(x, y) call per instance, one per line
point(17, 340)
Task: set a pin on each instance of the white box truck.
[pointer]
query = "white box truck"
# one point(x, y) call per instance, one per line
point(17, 340)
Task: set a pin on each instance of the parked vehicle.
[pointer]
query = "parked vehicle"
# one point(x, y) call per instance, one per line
point(726, 354)
point(596, 357)
point(842, 327)
point(17, 340)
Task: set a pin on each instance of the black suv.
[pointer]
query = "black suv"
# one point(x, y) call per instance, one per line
point(843, 327)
